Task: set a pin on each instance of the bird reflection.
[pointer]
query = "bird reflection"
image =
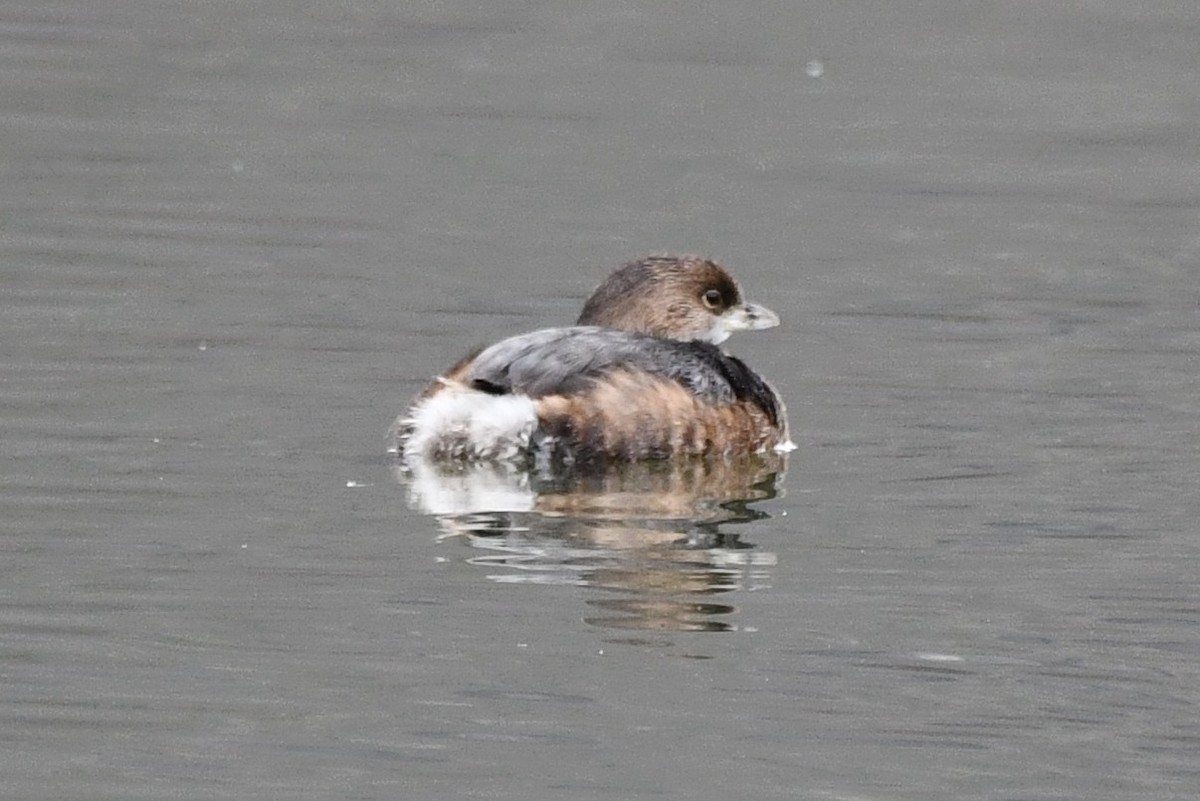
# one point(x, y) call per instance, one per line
point(651, 534)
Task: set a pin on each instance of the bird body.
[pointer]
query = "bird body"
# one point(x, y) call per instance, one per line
point(640, 377)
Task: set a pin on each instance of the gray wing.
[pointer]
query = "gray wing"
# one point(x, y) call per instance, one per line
point(566, 360)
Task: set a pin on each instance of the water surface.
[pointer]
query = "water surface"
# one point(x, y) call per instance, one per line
point(235, 239)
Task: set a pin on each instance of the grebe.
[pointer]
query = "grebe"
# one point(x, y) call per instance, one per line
point(639, 376)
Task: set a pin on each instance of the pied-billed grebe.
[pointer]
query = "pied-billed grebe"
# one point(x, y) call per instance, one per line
point(639, 376)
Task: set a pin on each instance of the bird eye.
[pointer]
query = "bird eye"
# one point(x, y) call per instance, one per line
point(711, 298)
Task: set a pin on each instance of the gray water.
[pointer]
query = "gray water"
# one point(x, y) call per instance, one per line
point(235, 238)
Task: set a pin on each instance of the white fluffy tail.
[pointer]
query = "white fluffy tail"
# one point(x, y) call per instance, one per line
point(458, 422)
